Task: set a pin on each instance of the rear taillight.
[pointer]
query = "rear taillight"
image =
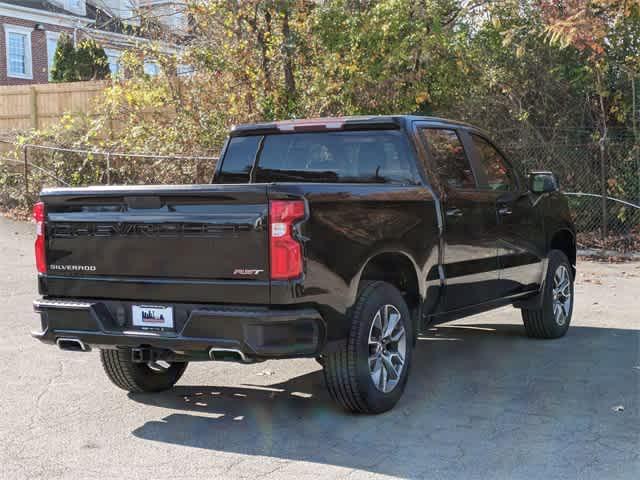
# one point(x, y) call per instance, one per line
point(286, 251)
point(38, 216)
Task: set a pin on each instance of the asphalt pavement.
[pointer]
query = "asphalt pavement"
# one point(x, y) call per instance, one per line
point(483, 402)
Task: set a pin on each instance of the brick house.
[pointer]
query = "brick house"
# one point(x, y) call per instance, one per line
point(30, 31)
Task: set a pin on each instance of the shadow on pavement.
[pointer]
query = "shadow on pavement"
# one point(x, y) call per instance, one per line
point(482, 400)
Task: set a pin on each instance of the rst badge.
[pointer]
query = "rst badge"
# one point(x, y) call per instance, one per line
point(247, 271)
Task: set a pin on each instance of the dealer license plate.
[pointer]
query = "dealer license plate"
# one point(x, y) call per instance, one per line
point(152, 317)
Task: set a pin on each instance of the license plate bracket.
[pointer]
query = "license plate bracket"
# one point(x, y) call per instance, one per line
point(152, 317)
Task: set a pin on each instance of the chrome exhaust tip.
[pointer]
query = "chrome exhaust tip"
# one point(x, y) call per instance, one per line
point(229, 355)
point(72, 344)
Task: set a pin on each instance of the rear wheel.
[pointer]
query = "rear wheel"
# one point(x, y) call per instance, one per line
point(140, 377)
point(553, 318)
point(369, 373)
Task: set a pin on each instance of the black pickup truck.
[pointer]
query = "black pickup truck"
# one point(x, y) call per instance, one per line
point(336, 239)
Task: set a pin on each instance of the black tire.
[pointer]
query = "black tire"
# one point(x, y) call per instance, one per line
point(346, 370)
point(541, 323)
point(138, 377)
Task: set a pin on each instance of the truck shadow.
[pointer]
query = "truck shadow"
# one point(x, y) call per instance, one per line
point(476, 391)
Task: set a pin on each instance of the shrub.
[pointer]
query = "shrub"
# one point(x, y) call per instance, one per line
point(63, 69)
point(87, 61)
point(91, 62)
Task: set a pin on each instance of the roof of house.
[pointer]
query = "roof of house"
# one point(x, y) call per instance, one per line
point(40, 5)
point(97, 16)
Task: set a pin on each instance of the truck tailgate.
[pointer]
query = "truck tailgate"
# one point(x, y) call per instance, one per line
point(204, 243)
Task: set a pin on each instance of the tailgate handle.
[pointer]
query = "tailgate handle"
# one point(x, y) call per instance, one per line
point(136, 203)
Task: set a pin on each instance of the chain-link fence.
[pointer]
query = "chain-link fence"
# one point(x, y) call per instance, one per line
point(601, 180)
point(26, 169)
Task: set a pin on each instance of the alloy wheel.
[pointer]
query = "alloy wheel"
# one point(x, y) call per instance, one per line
point(561, 292)
point(387, 348)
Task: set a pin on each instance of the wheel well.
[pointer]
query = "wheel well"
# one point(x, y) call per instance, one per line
point(565, 241)
point(396, 269)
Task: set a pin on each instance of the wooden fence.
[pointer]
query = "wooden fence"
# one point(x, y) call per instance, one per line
point(37, 106)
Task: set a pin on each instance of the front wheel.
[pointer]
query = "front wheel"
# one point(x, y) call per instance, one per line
point(553, 318)
point(369, 373)
point(139, 377)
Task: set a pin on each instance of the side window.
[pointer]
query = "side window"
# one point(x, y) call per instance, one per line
point(496, 169)
point(451, 163)
point(238, 160)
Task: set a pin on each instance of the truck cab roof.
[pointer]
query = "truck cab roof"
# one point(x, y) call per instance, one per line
point(339, 123)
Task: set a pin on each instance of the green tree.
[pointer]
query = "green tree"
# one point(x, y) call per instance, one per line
point(63, 69)
point(87, 61)
point(91, 62)
point(488, 63)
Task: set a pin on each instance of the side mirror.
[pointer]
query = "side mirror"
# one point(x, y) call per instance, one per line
point(543, 182)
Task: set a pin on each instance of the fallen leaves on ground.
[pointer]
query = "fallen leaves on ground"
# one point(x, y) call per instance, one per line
point(620, 243)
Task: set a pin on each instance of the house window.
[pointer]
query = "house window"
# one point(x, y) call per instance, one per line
point(76, 6)
point(126, 12)
point(18, 43)
point(152, 69)
point(52, 45)
point(183, 70)
point(114, 61)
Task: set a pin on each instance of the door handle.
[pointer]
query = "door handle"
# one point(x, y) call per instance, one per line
point(505, 211)
point(454, 212)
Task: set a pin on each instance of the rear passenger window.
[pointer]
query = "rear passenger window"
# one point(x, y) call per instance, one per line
point(381, 156)
point(238, 160)
point(495, 167)
point(451, 162)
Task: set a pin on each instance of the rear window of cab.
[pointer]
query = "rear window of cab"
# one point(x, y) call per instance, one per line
point(378, 156)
